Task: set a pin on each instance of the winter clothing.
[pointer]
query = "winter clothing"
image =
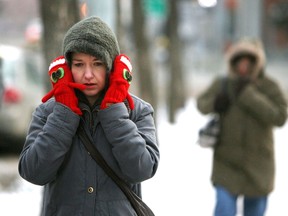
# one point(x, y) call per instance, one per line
point(246, 47)
point(54, 156)
point(243, 160)
point(63, 85)
point(240, 84)
point(94, 37)
point(222, 102)
point(120, 79)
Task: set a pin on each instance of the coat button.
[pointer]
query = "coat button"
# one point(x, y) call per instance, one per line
point(90, 190)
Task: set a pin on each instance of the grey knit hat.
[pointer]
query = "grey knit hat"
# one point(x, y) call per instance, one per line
point(94, 37)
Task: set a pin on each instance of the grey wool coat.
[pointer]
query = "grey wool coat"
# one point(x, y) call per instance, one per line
point(243, 160)
point(74, 184)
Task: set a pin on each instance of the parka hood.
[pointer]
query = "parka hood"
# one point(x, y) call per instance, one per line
point(247, 47)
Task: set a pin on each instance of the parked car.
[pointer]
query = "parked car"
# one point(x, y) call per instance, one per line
point(21, 89)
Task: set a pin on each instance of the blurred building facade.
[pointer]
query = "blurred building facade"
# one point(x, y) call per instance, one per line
point(15, 16)
point(221, 24)
point(206, 32)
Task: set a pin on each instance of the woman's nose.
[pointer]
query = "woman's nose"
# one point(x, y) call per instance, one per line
point(88, 72)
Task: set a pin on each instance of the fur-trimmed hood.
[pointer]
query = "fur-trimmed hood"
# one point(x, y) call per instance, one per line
point(247, 46)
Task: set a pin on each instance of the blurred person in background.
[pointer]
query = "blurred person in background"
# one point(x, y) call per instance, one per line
point(121, 125)
point(250, 106)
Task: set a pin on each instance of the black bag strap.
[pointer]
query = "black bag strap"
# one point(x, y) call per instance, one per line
point(137, 203)
point(223, 89)
point(224, 83)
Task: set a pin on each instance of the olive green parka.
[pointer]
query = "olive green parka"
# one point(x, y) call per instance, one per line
point(243, 160)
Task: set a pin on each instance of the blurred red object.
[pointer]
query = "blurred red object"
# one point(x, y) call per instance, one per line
point(11, 95)
point(231, 4)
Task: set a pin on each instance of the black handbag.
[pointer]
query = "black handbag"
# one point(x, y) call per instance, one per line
point(137, 203)
point(208, 135)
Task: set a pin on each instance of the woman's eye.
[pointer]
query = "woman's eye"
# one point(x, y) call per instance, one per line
point(98, 63)
point(78, 64)
point(56, 75)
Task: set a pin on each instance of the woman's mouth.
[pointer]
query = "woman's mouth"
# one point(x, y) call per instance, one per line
point(89, 85)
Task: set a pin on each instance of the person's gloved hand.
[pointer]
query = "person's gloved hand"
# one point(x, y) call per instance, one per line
point(240, 84)
point(119, 83)
point(222, 102)
point(63, 85)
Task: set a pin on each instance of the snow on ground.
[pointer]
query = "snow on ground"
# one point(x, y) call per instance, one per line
point(182, 184)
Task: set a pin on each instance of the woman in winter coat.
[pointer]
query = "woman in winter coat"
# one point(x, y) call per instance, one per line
point(120, 125)
point(250, 104)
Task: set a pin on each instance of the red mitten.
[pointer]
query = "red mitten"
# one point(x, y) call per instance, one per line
point(119, 82)
point(63, 85)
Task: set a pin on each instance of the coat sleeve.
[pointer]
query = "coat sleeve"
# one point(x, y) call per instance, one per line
point(48, 140)
point(205, 101)
point(133, 142)
point(264, 102)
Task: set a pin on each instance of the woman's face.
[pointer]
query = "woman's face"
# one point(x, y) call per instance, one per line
point(244, 66)
point(91, 72)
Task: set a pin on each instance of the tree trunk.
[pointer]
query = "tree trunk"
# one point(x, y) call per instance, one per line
point(176, 89)
point(57, 18)
point(142, 57)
